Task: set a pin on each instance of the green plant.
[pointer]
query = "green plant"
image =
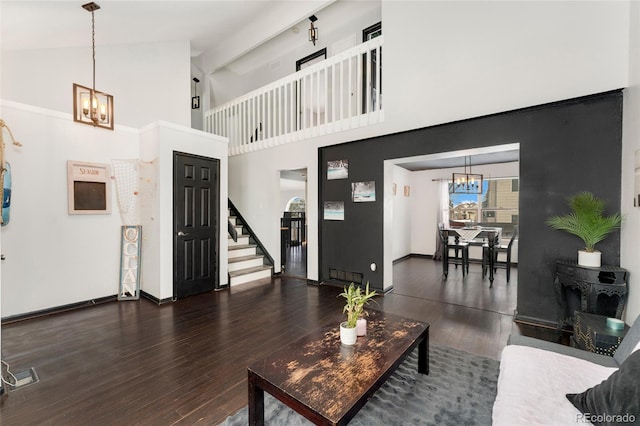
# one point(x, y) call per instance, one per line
point(356, 300)
point(586, 220)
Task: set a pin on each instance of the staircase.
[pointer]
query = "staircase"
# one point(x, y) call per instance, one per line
point(245, 263)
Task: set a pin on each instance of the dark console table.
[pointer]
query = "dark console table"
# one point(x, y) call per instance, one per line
point(601, 291)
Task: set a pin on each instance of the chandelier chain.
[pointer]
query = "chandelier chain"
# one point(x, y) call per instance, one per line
point(93, 48)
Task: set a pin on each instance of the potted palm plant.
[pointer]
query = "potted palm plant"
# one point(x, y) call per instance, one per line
point(354, 308)
point(588, 222)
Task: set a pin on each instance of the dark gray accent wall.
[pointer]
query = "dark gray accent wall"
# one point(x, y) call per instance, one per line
point(565, 147)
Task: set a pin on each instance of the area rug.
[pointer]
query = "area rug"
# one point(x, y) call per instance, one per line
point(459, 390)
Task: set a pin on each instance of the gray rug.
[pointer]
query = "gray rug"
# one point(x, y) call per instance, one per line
point(459, 390)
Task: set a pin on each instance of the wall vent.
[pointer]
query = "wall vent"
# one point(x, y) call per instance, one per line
point(345, 276)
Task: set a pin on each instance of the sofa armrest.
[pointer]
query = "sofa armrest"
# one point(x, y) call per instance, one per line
point(603, 360)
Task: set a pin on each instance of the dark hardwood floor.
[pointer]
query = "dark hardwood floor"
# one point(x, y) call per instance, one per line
point(296, 261)
point(135, 362)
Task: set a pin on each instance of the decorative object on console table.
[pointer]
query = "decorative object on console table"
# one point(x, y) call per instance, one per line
point(587, 221)
point(591, 333)
point(601, 291)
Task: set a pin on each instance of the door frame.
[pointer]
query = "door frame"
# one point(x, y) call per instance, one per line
point(216, 228)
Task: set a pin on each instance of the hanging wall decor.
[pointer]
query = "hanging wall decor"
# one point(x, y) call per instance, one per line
point(334, 210)
point(88, 188)
point(363, 192)
point(338, 169)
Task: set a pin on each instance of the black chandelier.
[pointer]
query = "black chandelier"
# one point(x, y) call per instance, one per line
point(467, 182)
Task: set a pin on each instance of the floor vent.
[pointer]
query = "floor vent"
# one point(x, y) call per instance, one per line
point(15, 381)
point(346, 276)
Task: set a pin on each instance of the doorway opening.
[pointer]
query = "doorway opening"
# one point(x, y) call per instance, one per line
point(421, 201)
point(293, 225)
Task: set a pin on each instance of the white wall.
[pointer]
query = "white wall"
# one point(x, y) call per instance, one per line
point(53, 258)
point(629, 253)
point(445, 61)
point(402, 227)
point(157, 145)
point(149, 82)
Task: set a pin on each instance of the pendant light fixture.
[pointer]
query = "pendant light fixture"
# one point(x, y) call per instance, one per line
point(89, 105)
point(313, 31)
point(467, 182)
point(195, 99)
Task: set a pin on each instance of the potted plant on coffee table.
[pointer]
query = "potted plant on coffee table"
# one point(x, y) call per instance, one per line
point(354, 308)
point(588, 222)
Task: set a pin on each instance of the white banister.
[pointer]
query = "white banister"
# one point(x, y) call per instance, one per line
point(336, 94)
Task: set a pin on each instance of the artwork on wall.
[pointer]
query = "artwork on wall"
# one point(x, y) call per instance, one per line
point(363, 192)
point(334, 210)
point(407, 190)
point(88, 188)
point(636, 180)
point(338, 169)
point(393, 189)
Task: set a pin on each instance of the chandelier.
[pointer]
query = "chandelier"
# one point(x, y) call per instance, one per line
point(91, 106)
point(467, 182)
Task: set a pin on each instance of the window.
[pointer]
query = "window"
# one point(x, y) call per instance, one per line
point(295, 204)
point(496, 206)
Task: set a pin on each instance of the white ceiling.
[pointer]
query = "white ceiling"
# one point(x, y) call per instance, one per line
point(506, 153)
point(208, 24)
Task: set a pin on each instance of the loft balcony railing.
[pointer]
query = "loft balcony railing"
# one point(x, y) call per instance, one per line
point(339, 93)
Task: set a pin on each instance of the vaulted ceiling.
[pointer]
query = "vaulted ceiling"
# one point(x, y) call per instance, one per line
point(219, 31)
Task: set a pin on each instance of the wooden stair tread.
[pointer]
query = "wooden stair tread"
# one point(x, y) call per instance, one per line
point(243, 258)
point(249, 270)
point(242, 246)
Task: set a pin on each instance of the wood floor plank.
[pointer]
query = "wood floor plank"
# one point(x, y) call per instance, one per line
point(135, 362)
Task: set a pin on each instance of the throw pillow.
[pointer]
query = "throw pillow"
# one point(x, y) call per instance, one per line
point(629, 343)
point(615, 400)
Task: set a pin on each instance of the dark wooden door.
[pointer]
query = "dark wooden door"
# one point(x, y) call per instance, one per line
point(196, 194)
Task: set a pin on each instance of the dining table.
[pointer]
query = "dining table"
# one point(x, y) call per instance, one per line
point(492, 235)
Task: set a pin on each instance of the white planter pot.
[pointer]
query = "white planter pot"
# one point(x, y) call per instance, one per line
point(348, 336)
point(361, 327)
point(589, 259)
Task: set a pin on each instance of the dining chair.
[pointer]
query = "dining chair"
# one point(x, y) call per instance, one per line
point(497, 249)
point(461, 248)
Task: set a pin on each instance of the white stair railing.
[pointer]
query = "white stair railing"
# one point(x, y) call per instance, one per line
point(339, 93)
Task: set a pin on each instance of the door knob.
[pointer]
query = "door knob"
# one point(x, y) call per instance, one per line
point(182, 234)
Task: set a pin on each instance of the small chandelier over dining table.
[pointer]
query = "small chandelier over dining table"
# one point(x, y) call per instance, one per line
point(91, 106)
point(467, 182)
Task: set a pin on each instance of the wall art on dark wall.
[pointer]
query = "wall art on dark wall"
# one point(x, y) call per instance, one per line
point(334, 210)
point(338, 169)
point(363, 192)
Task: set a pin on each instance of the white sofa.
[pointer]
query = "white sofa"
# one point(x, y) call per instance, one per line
point(535, 377)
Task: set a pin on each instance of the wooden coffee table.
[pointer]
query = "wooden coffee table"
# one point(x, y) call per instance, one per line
point(329, 383)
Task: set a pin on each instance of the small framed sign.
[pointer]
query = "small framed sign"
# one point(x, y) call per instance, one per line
point(88, 188)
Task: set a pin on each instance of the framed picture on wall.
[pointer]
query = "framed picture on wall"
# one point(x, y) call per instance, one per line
point(363, 192)
point(338, 169)
point(334, 210)
point(88, 188)
point(407, 190)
